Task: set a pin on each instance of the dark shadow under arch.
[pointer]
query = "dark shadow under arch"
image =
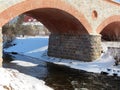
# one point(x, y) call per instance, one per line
point(61, 10)
point(111, 19)
point(58, 21)
point(111, 32)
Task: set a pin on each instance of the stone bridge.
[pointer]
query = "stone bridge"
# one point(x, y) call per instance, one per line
point(76, 26)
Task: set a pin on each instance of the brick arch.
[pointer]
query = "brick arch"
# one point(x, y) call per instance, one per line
point(58, 21)
point(111, 32)
point(109, 20)
point(29, 5)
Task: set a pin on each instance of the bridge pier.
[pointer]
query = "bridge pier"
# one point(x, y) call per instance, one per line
point(1, 49)
point(79, 47)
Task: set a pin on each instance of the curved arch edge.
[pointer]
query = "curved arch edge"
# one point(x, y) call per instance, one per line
point(28, 5)
point(107, 22)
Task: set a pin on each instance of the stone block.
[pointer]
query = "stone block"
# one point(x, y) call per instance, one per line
point(78, 47)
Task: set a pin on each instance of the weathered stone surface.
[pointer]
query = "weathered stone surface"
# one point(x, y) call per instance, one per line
point(6, 4)
point(105, 9)
point(80, 47)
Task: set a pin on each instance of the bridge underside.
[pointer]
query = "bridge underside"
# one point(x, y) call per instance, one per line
point(74, 25)
point(58, 21)
point(111, 32)
point(69, 38)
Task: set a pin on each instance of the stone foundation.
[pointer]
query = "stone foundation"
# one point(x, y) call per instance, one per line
point(77, 47)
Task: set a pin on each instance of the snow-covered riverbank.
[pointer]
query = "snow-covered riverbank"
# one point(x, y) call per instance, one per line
point(11, 79)
point(14, 80)
point(37, 47)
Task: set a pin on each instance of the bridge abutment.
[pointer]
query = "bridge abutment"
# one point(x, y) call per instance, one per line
point(78, 47)
point(1, 49)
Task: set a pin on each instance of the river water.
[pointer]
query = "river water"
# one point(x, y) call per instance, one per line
point(60, 77)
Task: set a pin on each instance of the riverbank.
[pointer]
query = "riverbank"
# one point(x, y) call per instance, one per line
point(37, 47)
point(11, 79)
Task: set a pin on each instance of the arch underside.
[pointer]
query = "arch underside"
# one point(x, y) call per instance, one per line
point(110, 28)
point(58, 21)
point(111, 32)
point(58, 18)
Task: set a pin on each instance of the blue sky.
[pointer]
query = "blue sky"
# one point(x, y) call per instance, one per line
point(117, 1)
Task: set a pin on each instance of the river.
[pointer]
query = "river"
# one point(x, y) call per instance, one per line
point(61, 77)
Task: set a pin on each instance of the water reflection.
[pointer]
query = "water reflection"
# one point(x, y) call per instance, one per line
point(26, 65)
point(7, 58)
point(63, 78)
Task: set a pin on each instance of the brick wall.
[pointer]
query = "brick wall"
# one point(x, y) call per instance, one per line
point(104, 9)
point(95, 15)
point(80, 47)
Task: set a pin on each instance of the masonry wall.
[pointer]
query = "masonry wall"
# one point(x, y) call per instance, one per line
point(79, 47)
point(103, 8)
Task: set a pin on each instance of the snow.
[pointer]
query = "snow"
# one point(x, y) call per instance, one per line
point(29, 45)
point(37, 47)
point(13, 80)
